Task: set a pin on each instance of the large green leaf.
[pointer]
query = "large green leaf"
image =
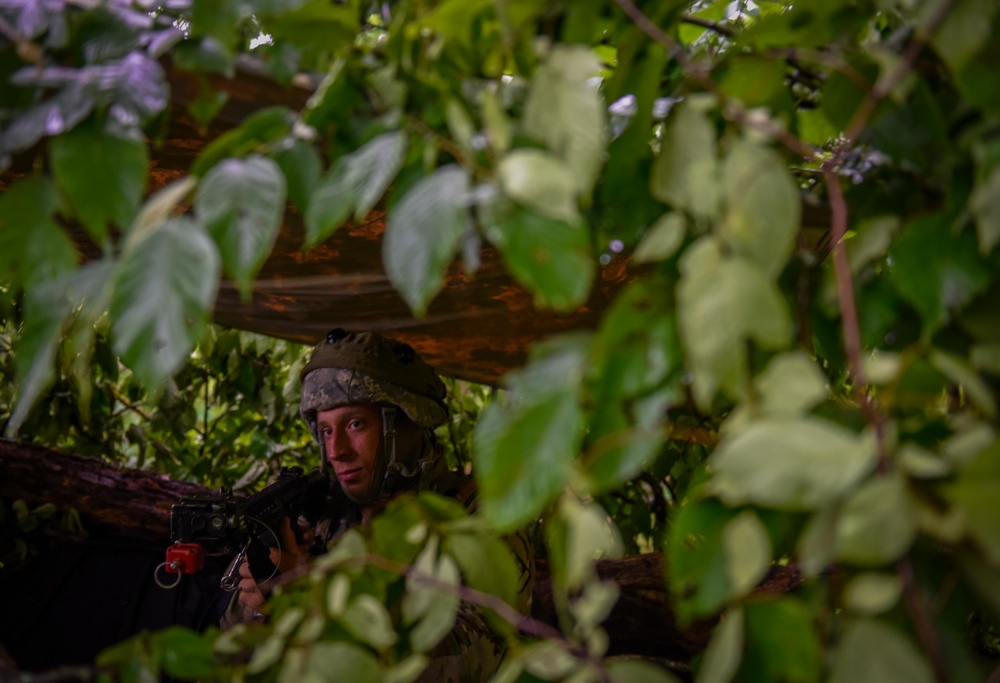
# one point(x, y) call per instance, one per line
point(163, 294)
point(33, 248)
point(873, 651)
point(790, 464)
point(985, 206)
point(748, 551)
point(301, 165)
point(763, 207)
point(373, 167)
point(877, 523)
point(565, 111)
point(938, 271)
point(781, 643)
point(724, 651)
point(975, 491)
point(343, 661)
point(69, 305)
point(696, 559)
point(550, 257)
point(541, 182)
point(686, 173)
point(422, 235)
point(241, 202)
point(523, 455)
point(103, 176)
point(330, 204)
point(723, 302)
point(965, 29)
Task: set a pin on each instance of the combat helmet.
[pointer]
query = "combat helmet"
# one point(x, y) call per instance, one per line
point(364, 367)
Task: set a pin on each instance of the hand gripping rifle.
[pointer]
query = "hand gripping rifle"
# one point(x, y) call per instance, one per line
point(224, 524)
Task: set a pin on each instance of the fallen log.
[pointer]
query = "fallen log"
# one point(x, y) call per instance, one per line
point(136, 504)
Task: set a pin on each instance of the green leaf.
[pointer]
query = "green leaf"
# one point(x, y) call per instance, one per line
point(241, 202)
point(486, 563)
point(965, 29)
point(662, 239)
point(638, 671)
point(686, 173)
point(33, 248)
point(790, 464)
point(103, 176)
point(748, 551)
point(422, 235)
point(523, 455)
point(317, 25)
point(872, 593)
point(342, 661)
point(330, 204)
point(724, 651)
point(937, 271)
point(368, 620)
point(873, 651)
point(541, 182)
point(975, 491)
point(434, 605)
point(877, 523)
point(781, 643)
point(973, 386)
point(696, 559)
point(156, 211)
point(549, 257)
point(263, 128)
point(580, 534)
point(714, 288)
point(763, 207)
point(164, 291)
point(301, 165)
point(372, 168)
point(564, 111)
point(184, 653)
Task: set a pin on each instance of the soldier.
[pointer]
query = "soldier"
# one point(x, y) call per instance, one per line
point(372, 405)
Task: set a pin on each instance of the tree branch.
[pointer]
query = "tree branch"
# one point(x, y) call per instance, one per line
point(922, 619)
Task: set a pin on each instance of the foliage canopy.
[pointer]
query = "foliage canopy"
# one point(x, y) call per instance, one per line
point(829, 403)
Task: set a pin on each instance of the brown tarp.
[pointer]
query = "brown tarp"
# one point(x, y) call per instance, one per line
point(477, 328)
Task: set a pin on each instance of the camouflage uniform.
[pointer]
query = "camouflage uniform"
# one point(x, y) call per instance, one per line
point(355, 368)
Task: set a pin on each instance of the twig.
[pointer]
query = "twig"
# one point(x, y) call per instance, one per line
point(922, 619)
point(128, 404)
point(708, 24)
point(26, 49)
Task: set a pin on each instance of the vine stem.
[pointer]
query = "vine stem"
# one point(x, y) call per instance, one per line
point(921, 617)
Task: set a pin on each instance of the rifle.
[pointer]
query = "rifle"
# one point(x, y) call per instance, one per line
point(224, 524)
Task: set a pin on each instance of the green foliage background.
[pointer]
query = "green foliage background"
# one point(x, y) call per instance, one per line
point(828, 401)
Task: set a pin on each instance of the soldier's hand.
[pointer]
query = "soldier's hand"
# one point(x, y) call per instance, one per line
point(293, 554)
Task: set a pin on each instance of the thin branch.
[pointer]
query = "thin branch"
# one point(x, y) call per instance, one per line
point(708, 24)
point(128, 404)
point(922, 619)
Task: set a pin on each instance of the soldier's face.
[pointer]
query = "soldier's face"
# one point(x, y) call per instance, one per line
point(351, 435)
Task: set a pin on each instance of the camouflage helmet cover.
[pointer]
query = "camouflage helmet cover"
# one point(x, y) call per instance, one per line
point(365, 367)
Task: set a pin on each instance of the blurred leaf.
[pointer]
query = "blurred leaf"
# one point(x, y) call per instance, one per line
point(985, 207)
point(103, 176)
point(184, 653)
point(542, 183)
point(241, 203)
point(329, 205)
point(523, 455)
point(781, 643)
point(724, 651)
point(486, 563)
point(638, 671)
point(877, 523)
point(551, 258)
point(763, 207)
point(696, 559)
point(432, 606)
point(372, 168)
point(163, 295)
point(790, 464)
point(264, 127)
point(937, 271)
point(367, 619)
point(748, 551)
point(564, 110)
point(156, 211)
point(686, 173)
point(662, 239)
point(345, 661)
point(579, 535)
point(301, 165)
point(422, 235)
point(967, 379)
point(33, 248)
point(872, 593)
point(721, 303)
point(873, 651)
point(975, 491)
point(966, 27)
